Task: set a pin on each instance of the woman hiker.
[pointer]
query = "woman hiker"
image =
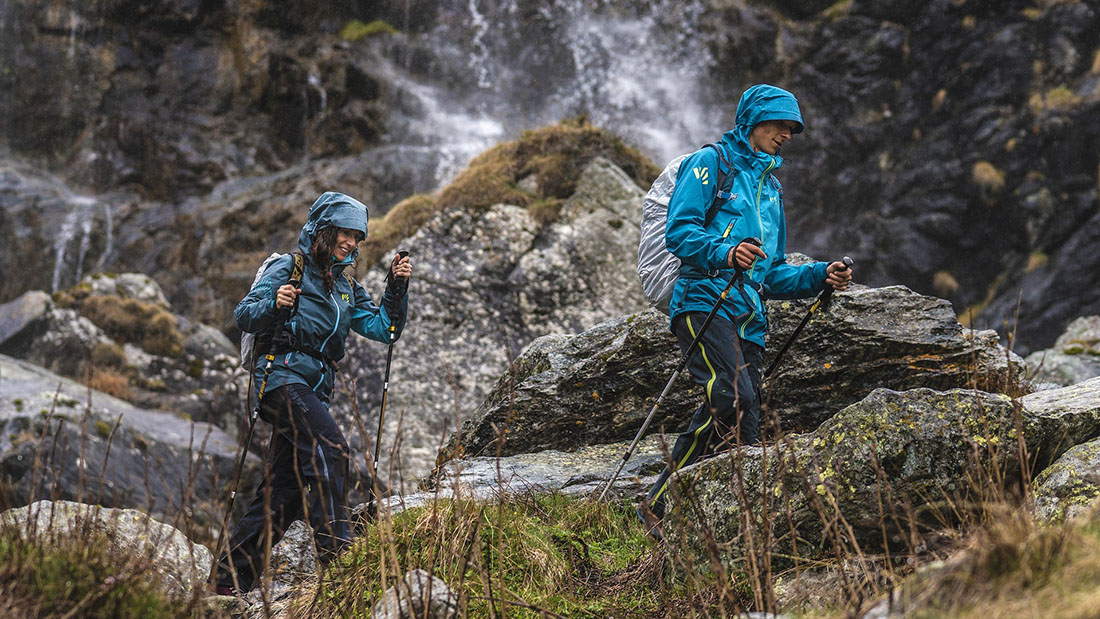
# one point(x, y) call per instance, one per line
point(307, 459)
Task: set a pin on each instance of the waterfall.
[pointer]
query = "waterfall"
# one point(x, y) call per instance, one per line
point(500, 67)
point(73, 240)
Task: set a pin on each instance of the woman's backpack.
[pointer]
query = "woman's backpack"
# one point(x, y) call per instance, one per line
point(258, 343)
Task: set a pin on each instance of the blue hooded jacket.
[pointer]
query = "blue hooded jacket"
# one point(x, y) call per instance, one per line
point(754, 209)
point(322, 319)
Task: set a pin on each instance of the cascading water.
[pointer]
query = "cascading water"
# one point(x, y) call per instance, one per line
point(485, 71)
point(74, 238)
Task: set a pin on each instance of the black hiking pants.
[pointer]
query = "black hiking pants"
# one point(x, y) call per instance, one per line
point(730, 371)
point(307, 469)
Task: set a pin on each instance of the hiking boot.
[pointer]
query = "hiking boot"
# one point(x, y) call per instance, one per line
point(650, 522)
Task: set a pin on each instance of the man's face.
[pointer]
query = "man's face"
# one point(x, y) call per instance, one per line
point(768, 136)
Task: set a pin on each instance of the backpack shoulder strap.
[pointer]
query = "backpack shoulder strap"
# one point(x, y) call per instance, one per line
point(296, 270)
point(722, 194)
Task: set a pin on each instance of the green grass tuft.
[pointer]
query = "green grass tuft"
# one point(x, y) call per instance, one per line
point(550, 552)
point(47, 581)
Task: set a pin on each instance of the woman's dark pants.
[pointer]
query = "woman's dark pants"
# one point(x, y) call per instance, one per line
point(307, 469)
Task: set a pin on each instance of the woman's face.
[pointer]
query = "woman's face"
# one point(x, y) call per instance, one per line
point(346, 242)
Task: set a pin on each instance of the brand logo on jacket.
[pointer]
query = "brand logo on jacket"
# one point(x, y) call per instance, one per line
point(346, 297)
point(703, 174)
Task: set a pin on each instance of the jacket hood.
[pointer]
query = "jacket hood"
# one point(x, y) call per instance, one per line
point(759, 103)
point(333, 208)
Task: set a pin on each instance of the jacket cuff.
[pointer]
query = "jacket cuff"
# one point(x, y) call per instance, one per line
point(821, 272)
point(396, 288)
point(721, 258)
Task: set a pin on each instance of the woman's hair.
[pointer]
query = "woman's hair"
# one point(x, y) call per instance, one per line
point(321, 252)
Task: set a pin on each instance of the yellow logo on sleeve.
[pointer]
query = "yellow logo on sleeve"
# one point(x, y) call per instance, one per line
point(701, 173)
point(346, 297)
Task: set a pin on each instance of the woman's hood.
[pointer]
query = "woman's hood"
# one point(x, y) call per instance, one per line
point(333, 208)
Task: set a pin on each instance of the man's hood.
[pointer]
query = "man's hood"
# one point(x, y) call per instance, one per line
point(333, 209)
point(759, 103)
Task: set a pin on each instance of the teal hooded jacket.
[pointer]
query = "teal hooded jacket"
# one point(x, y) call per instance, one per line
point(322, 319)
point(753, 210)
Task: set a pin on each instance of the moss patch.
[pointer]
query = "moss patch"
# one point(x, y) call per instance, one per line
point(356, 30)
point(553, 157)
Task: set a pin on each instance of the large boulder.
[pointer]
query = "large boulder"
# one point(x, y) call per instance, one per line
point(598, 386)
point(1061, 418)
point(886, 337)
point(157, 552)
point(64, 440)
point(883, 474)
point(1067, 488)
point(32, 327)
point(1074, 357)
point(486, 283)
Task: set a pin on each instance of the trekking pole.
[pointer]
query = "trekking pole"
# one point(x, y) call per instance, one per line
point(240, 463)
point(822, 301)
point(679, 368)
point(284, 314)
point(371, 508)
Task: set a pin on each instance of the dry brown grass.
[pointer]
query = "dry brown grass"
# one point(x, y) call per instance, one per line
point(109, 381)
point(1014, 567)
point(944, 283)
point(136, 322)
point(988, 177)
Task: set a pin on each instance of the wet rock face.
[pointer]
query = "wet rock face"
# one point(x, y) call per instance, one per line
point(598, 386)
point(486, 283)
point(59, 439)
point(53, 234)
point(886, 466)
point(177, 566)
point(173, 99)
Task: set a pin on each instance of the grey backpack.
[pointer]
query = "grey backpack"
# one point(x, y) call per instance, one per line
point(248, 340)
point(658, 268)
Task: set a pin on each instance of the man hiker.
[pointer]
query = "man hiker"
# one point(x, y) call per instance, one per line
point(746, 236)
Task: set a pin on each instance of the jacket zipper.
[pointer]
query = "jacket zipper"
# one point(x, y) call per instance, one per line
point(760, 222)
point(335, 326)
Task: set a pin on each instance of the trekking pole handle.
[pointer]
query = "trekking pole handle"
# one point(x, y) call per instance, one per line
point(752, 240)
point(401, 255)
point(828, 292)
